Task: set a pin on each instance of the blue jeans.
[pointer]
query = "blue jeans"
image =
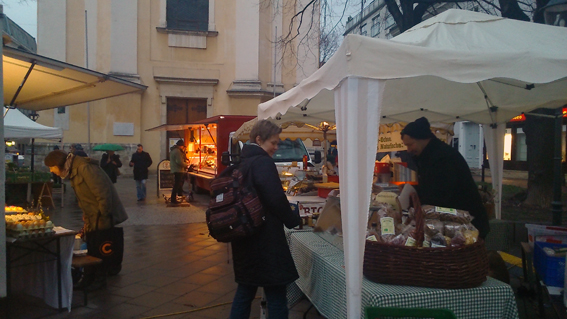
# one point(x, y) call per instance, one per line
point(276, 297)
point(141, 188)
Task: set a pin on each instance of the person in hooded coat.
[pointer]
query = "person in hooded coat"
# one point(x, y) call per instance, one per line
point(264, 259)
point(97, 197)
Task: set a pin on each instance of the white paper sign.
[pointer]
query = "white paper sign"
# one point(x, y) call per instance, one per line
point(123, 129)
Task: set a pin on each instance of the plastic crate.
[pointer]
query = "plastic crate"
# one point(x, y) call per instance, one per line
point(550, 269)
point(545, 233)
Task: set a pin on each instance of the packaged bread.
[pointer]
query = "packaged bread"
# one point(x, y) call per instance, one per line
point(471, 234)
point(438, 241)
point(434, 224)
point(451, 228)
point(447, 214)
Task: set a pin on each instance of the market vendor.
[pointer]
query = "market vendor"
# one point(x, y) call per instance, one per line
point(444, 177)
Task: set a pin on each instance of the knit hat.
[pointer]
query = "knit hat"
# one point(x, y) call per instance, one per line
point(180, 143)
point(78, 147)
point(419, 129)
point(55, 158)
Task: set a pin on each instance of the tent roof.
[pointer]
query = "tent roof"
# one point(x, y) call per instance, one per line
point(17, 125)
point(518, 65)
point(209, 120)
point(53, 83)
point(291, 130)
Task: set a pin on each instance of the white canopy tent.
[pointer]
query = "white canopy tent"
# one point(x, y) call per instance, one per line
point(17, 125)
point(457, 66)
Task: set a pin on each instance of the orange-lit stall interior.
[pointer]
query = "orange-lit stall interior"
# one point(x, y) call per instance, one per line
point(201, 145)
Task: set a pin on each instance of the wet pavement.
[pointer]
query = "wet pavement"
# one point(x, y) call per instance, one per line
point(171, 267)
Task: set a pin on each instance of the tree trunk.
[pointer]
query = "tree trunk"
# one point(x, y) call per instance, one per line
point(539, 139)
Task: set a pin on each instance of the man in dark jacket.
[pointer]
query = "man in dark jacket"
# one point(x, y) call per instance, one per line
point(444, 177)
point(264, 259)
point(141, 161)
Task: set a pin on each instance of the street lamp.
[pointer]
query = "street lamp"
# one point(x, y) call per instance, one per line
point(34, 116)
point(555, 13)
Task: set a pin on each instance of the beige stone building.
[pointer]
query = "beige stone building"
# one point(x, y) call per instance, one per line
point(198, 58)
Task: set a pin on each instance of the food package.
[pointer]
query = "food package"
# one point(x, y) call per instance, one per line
point(458, 240)
point(450, 229)
point(330, 218)
point(471, 234)
point(438, 241)
point(434, 224)
point(447, 214)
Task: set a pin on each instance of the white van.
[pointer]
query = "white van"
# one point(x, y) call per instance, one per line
point(288, 152)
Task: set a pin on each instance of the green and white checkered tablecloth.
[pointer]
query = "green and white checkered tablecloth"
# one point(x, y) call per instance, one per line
point(319, 260)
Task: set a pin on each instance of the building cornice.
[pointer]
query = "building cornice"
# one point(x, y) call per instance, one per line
point(126, 76)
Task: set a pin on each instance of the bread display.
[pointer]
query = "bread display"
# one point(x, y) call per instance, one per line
point(443, 227)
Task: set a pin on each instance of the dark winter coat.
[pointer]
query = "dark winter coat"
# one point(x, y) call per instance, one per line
point(109, 168)
point(141, 161)
point(445, 180)
point(96, 195)
point(264, 259)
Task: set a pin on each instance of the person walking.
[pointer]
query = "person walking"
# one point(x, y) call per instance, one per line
point(110, 162)
point(178, 167)
point(140, 161)
point(101, 206)
point(264, 259)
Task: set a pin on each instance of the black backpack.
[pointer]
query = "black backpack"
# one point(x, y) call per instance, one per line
point(235, 211)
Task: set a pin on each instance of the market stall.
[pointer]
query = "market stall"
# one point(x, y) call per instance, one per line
point(35, 82)
point(319, 261)
point(23, 181)
point(492, 77)
point(38, 257)
point(19, 126)
point(205, 141)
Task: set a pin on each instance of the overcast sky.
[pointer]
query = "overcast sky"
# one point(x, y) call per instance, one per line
point(23, 12)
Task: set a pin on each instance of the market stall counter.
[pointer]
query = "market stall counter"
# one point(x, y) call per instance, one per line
point(38, 257)
point(319, 259)
point(40, 265)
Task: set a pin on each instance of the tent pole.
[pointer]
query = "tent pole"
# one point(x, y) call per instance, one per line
point(22, 84)
point(32, 154)
point(88, 105)
point(483, 160)
point(556, 204)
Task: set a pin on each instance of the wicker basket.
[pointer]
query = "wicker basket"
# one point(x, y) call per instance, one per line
point(450, 268)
